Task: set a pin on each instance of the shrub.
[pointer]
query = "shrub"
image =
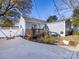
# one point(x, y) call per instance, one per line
point(47, 39)
point(75, 32)
point(7, 23)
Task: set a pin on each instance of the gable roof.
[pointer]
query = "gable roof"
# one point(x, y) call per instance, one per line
point(34, 20)
point(65, 21)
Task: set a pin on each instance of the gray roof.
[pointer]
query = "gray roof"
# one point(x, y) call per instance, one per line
point(59, 21)
point(34, 20)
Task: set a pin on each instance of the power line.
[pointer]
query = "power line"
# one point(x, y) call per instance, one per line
point(56, 8)
point(36, 8)
point(70, 2)
point(64, 1)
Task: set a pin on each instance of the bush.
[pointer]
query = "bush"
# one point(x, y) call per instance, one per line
point(75, 32)
point(47, 39)
point(7, 23)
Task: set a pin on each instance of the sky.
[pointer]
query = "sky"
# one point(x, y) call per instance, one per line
point(42, 9)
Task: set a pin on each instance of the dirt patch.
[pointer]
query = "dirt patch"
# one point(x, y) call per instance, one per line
point(74, 39)
point(70, 37)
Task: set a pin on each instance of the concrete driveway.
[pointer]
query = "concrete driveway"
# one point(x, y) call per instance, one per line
point(19, 48)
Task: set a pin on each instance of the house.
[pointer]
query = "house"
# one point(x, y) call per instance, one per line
point(34, 26)
point(23, 27)
point(29, 25)
point(62, 28)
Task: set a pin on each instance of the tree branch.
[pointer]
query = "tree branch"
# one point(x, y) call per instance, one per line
point(7, 8)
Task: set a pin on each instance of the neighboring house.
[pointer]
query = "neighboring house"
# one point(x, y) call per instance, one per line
point(61, 28)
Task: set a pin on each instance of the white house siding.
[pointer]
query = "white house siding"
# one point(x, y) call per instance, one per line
point(9, 32)
point(13, 31)
point(57, 27)
point(22, 26)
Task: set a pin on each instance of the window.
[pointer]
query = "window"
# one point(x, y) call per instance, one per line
point(61, 32)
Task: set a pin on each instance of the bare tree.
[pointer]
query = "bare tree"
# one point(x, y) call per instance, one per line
point(23, 5)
